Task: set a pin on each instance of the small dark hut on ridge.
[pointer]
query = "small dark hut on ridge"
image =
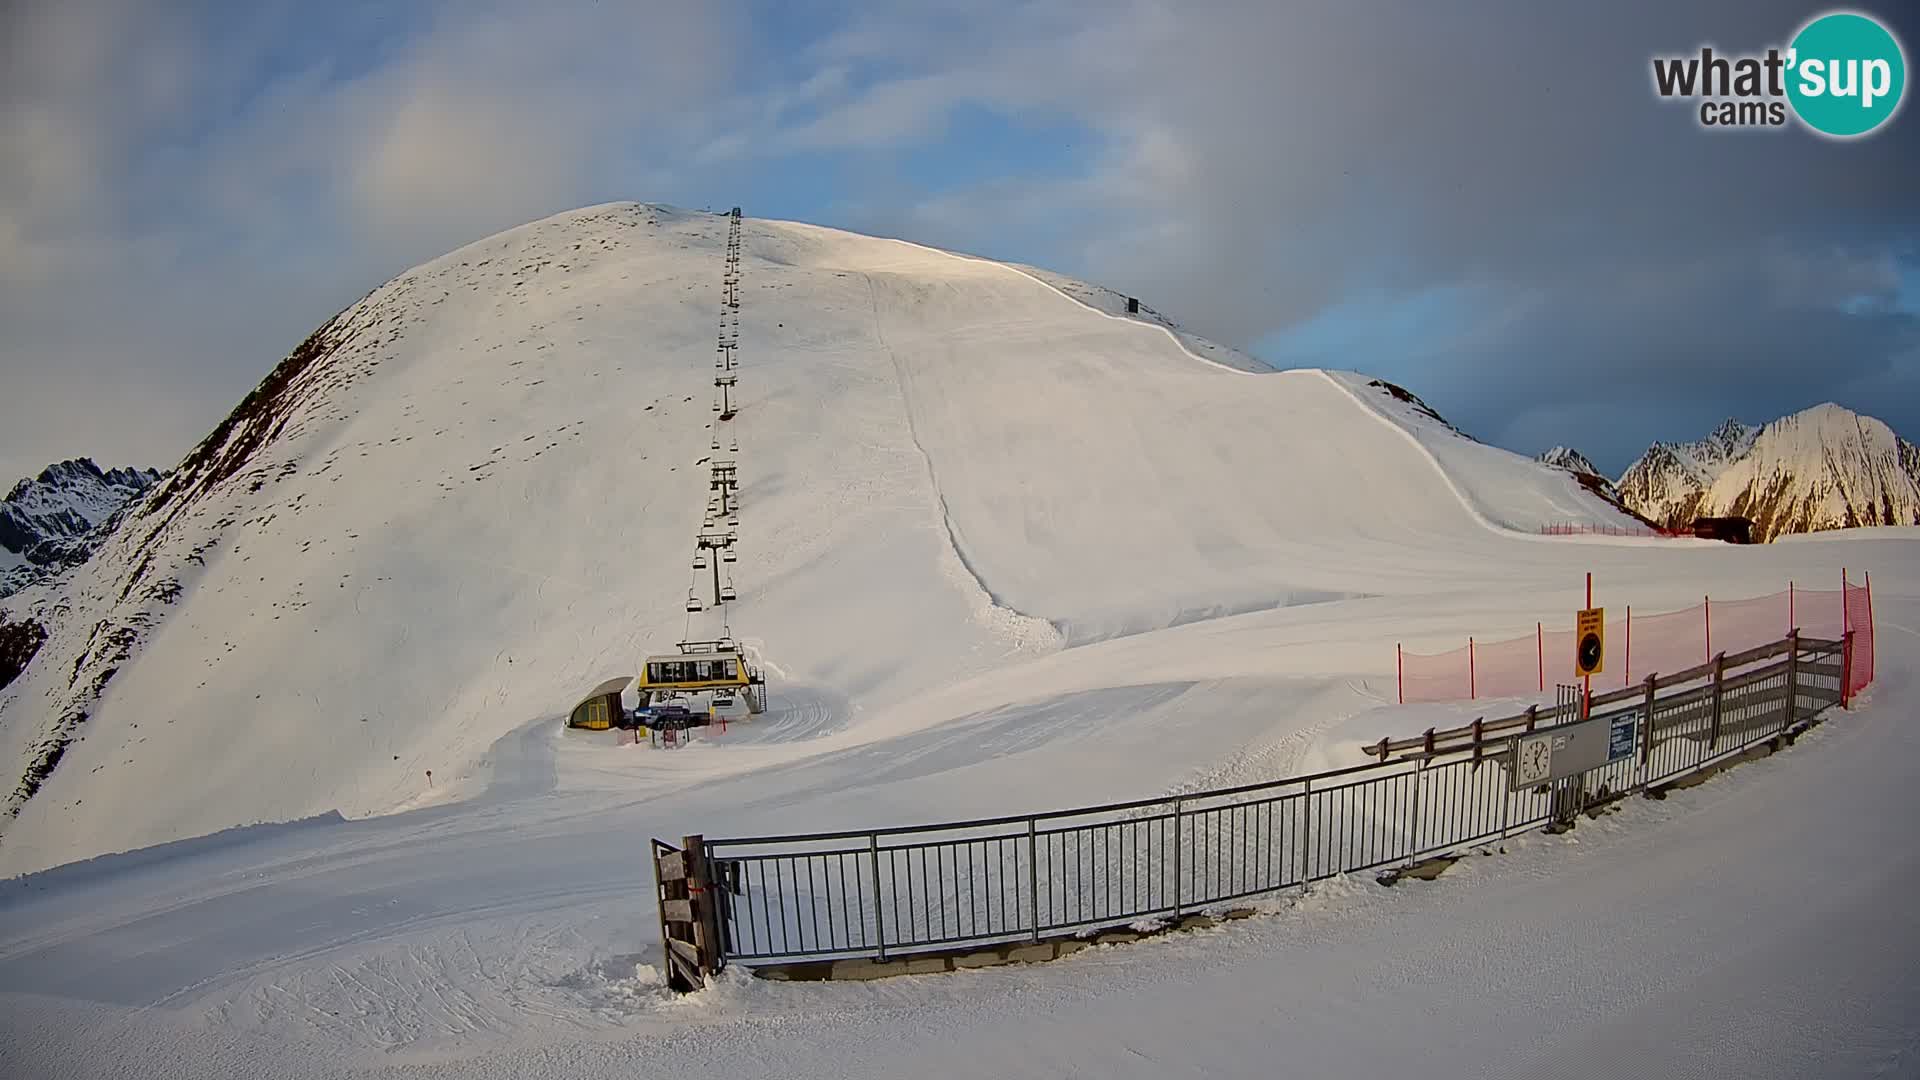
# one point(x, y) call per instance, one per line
point(1734, 530)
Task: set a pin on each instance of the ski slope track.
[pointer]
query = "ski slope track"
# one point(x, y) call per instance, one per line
point(1003, 548)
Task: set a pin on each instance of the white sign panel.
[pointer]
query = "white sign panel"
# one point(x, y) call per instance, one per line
point(1571, 749)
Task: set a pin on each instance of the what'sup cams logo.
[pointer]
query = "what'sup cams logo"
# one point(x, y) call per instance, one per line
point(1843, 75)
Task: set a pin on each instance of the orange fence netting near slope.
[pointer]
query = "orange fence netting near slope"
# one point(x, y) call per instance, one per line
point(1643, 645)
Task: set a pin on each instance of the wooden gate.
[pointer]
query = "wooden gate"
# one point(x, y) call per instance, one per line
point(689, 926)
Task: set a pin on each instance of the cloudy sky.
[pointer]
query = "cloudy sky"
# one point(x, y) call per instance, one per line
point(1483, 201)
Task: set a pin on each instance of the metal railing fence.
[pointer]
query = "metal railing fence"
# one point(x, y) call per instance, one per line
point(888, 892)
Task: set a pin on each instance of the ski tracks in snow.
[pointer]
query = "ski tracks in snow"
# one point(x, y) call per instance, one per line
point(1024, 633)
point(1278, 752)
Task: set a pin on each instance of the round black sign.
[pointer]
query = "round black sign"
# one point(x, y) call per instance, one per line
point(1589, 652)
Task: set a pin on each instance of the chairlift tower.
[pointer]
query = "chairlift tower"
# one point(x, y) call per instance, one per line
point(725, 383)
point(717, 542)
point(725, 480)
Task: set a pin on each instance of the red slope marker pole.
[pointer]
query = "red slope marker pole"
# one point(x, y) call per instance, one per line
point(1872, 661)
point(1586, 683)
point(1473, 684)
point(1626, 678)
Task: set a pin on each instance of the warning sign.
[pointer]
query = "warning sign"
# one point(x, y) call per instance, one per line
point(1590, 641)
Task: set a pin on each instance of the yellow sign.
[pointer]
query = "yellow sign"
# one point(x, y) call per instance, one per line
point(1590, 641)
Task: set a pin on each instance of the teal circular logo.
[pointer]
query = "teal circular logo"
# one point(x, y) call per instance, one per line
point(1846, 74)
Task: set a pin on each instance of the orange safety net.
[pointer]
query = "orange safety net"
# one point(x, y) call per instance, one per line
point(1643, 645)
point(1859, 619)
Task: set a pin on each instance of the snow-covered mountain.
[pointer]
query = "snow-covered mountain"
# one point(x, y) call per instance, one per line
point(1822, 468)
point(1590, 477)
point(475, 492)
point(48, 522)
point(1562, 457)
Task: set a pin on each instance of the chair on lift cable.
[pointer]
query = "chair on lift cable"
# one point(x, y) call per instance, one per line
point(727, 555)
point(693, 601)
point(727, 593)
point(700, 559)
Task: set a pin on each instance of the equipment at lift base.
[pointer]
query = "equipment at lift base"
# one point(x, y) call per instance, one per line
point(718, 665)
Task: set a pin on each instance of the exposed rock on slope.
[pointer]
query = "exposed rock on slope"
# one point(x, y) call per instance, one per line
point(57, 519)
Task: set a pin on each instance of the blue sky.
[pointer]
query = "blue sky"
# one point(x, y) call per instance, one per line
point(1525, 237)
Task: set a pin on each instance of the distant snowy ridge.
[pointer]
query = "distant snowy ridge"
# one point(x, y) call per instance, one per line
point(48, 522)
point(1562, 457)
point(1826, 467)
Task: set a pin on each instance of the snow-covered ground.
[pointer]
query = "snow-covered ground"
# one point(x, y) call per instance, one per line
point(1755, 926)
point(1002, 553)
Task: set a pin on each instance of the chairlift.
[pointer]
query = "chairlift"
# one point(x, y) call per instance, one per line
point(700, 559)
point(727, 555)
point(727, 593)
point(693, 601)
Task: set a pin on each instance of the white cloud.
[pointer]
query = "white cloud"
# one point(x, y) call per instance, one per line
point(1250, 164)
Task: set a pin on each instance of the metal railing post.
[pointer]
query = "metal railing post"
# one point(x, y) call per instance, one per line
point(1306, 833)
point(879, 921)
point(1506, 794)
point(1177, 806)
point(1033, 877)
point(1846, 658)
point(1646, 744)
point(1793, 679)
point(1719, 691)
point(1419, 770)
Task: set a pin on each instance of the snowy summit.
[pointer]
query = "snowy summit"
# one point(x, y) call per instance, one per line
point(1821, 468)
point(474, 493)
point(45, 519)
